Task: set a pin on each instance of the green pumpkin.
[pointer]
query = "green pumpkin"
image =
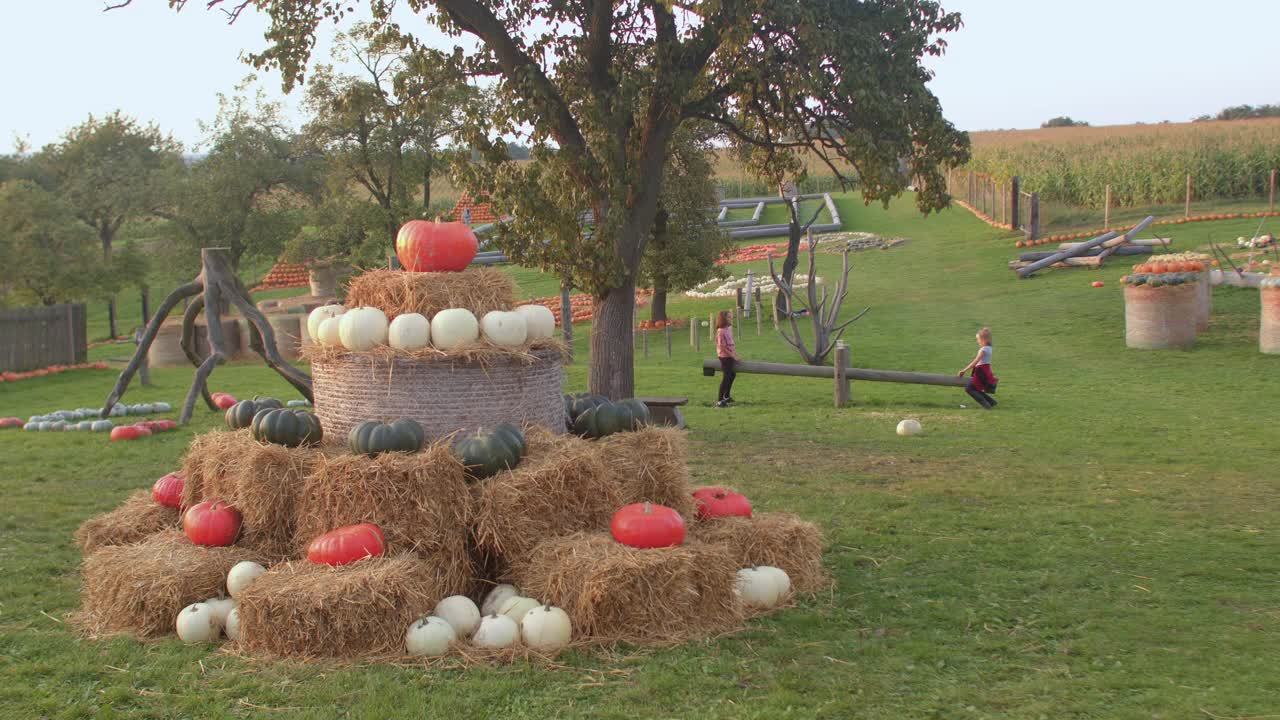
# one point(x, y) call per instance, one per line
point(290, 428)
point(373, 438)
point(515, 436)
point(488, 453)
point(585, 423)
point(637, 412)
point(581, 402)
point(241, 414)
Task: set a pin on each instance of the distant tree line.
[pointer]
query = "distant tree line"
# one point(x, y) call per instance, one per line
point(1243, 112)
point(1063, 121)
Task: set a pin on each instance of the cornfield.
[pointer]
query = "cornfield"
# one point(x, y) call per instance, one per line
point(1144, 164)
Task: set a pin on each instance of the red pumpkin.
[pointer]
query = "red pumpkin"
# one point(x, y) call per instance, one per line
point(1097, 283)
point(211, 523)
point(347, 544)
point(126, 432)
point(10, 422)
point(223, 400)
point(168, 490)
point(424, 246)
point(718, 502)
point(645, 525)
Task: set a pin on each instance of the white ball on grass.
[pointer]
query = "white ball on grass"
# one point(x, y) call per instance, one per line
point(909, 427)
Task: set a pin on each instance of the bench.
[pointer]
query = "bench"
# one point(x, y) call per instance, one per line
point(665, 410)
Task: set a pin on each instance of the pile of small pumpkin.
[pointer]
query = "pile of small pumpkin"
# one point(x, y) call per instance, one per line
point(364, 328)
point(1167, 271)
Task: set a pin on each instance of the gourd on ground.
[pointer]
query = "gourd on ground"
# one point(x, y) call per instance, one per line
point(756, 589)
point(546, 628)
point(496, 597)
point(517, 607)
point(496, 631)
point(429, 637)
point(539, 321)
point(221, 608)
point(454, 328)
point(410, 331)
point(232, 627)
point(504, 329)
point(196, 624)
point(363, 328)
point(241, 574)
point(460, 612)
point(909, 427)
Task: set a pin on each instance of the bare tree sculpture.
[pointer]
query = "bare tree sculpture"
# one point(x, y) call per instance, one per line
point(212, 289)
point(823, 311)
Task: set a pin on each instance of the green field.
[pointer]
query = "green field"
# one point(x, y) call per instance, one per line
point(1101, 545)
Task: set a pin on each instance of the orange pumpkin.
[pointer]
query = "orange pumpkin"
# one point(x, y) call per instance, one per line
point(1158, 268)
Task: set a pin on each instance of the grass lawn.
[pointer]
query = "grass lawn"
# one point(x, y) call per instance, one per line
point(1102, 545)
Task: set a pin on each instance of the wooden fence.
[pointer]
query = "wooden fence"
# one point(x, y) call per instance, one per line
point(37, 337)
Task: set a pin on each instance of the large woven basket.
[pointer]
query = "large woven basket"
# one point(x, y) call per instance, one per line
point(443, 395)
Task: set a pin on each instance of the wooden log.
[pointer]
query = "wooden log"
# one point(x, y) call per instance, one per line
point(1093, 262)
point(828, 372)
point(1136, 242)
point(1121, 250)
point(1081, 249)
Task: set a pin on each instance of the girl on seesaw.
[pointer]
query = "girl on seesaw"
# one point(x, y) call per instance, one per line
point(983, 381)
point(728, 357)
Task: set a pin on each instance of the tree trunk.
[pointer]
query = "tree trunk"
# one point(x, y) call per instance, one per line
point(612, 354)
point(105, 236)
point(426, 182)
point(566, 312)
point(792, 259)
point(658, 310)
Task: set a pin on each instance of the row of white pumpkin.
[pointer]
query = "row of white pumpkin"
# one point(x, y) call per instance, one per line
point(504, 616)
point(117, 410)
point(364, 328)
point(730, 287)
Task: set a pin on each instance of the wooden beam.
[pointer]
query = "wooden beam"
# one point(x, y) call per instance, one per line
point(828, 372)
point(1082, 248)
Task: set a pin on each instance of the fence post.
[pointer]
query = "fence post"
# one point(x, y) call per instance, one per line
point(1186, 213)
point(695, 338)
point(668, 329)
point(737, 322)
point(1013, 203)
point(1035, 216)
point(1106, 212)
point(1273, 191)
point(644, 337)
point(759, 320)
point(841, 374)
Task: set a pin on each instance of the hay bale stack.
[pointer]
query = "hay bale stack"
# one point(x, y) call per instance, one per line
point(135, 519)
point(649, 465)
point(559, 488)
point(261, 480)
point(141, 587)
point(396, 292)
point(363, 609)
point(779, 539)
point(420, 501)
point(615, 593)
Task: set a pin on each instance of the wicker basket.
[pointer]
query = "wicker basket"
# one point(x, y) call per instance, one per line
point(443, 395)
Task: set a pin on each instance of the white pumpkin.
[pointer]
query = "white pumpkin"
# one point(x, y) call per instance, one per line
point(460, 612)
point(232, 628)
point(909, 427)
point(429, 637)
point(196, 624)
point(330, 332)
point(498, 595)
point(517, 607)
point(221, 608)
point(362, 328)
point(546, 628)
point(780, 578)
point(504, 329)
point(496, 631)
point(454, 328)
point(539, 319)
point(319, 315)
point(409, 332)
point(241, 574)
point(756, 589)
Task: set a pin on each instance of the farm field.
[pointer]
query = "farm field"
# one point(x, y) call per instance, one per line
point(1102, 545)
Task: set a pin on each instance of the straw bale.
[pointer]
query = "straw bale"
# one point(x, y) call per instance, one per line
point(649, 465)
point(560, 487)
point(420, 501)
point(136, 518)
point(482, 353)
point(779, 539)
point(616, 593)
point(302, 609)
point(396, 292)
point(261, 480)
point(141, 587)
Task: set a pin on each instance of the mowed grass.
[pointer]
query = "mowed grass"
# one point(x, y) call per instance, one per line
point(1102, 545)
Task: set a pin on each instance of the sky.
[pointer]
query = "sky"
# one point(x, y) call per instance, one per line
point(1014, 64)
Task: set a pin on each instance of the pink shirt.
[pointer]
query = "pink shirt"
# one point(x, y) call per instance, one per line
point(724, 342)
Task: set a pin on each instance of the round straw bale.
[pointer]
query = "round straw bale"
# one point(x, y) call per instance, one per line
point(302, 609)
point(136, 518)
point(558, 488)
point(261, 480)
point(140, 588)
point(779, 539)
point(420, 501)
point(616, 593)
point(649, 466)
point(396, 292)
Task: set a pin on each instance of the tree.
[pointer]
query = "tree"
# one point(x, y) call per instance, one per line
point(1063, 121)
point(600, 89)
point(381, 130)
point(48, 254)
point(241, 195)
point(686, 240)
point(112, 170)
